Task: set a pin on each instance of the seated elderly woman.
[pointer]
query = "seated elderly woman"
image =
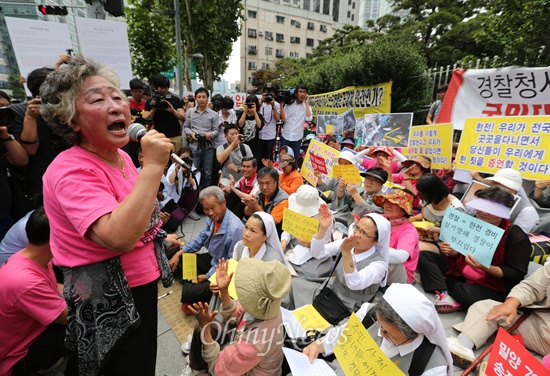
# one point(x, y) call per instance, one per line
point(362, 268)
point(459, 281)
point(260, 286)
point(404, 324)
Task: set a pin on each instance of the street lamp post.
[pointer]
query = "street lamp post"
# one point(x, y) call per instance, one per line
point(178, 46)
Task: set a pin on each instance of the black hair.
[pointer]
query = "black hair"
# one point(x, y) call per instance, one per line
point(253, 99)
point(5, 96)
point(161, 187)
point(217, 97)
point(265, 171)
point(185, 149)
point(273, 89)
point(283, 147)
point(264, 230)
point(331, 139)
point(251, 158)
point(496, 194)
point(202, 90)
point(227, 103)
point(431, 188)
point(161, 81)
point(136, 84)
point(301, 87)
point(36, 78)
point(442, 88)
point(230, 126)
point(38, 227)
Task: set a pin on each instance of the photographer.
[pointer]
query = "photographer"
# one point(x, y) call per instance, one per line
point(250, 123)
point(166, 111)
point(230, 155)
point(294, 115)
point(201, 129)
point(270, 111)
point(181, 186)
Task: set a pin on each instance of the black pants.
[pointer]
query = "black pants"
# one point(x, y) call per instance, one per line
point(198, 292)
point(235, 205)
point(136, 353)
point(432, 268)
point(266, 150)
point(221, 332)
point(44, 351)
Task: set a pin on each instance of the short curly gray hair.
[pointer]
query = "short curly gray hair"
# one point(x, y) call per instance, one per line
point(60, 90)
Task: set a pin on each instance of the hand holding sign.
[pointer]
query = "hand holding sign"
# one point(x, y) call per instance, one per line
point(298, 225)
point(318, 163)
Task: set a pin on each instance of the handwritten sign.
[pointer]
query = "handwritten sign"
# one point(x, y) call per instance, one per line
point(349, 173)
point(518, 142)
point(470, 236)
point(423, 234)
point(434, 141)
point(358, 354)
point(310, 319)
point(509, 357)
point(189, 267)
point(298, 225)
point(318, 163)
point(232, 267)
point(326, 152)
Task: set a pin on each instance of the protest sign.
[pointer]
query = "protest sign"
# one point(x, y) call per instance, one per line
point(511, 91)
point(189, 267)
point(385, 129)
point(336, 124)
point(318, 163)
point(322, 150)
point(362, 99)
point(470, 236)
point(434, 141)
point(298, 225)
point(349, 173)
point(310, 319)
point(358, 354)
point(510, 357)
point(521, 143)
point(231, 268)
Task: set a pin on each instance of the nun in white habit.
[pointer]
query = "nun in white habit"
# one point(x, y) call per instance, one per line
point(402, 320)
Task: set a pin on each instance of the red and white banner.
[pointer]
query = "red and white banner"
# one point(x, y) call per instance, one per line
point(495, 92)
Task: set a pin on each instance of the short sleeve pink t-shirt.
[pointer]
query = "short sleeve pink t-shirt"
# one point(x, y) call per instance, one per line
point(79, 188)
point(405, 237)
point(368, 163)
point(29, 302)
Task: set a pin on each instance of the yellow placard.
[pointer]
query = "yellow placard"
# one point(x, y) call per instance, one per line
point(299, 225)
point(189, 266)
point(349, 173)
point(518, 142)
point(232, 267)
point(320, 149)
point(434, 141)
point(358, 354)
point(363, 100)
point(310, 319)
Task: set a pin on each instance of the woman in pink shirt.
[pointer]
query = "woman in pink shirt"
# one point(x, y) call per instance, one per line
point(104, 221)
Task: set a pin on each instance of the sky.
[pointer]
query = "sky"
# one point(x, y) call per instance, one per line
point(233, 72)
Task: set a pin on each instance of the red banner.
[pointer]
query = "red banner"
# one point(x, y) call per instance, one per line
point(318, 163)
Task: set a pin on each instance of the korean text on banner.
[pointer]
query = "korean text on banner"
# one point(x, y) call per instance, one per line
point(310, 319)
point(363, 99)
point(189, 267)
point(358, 354)
point(511, 91)
point(434, 141)
point(349, 173)
point(521, 143)
point(509, 357)
point(232, 267)
point(470, 236)
point(318, 163)
point(299, 226)
point(322, 150)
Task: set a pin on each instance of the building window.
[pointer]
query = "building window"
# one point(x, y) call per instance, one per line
point(251, 65)
point(268, 35)
point(250, 80)
point(280, 53)
point(349, 14)
point(280, 37)
point(252, 33)
point(310, 26)
point(265, 66)
point(353, 5)
point(294, 55)
point(252, 13)
point(352, 16)
point(295, 23)
point(323, 28)
point(252, 50)
point(308, 56)
point(309, 42)
point(269, 51)
point(294, 39)
point(280, 19)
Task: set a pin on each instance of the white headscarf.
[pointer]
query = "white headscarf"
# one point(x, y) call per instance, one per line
point(271, 232)
point(419, 313)
point(383, 245)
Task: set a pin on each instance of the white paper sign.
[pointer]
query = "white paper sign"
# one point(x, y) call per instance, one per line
point(106, 42)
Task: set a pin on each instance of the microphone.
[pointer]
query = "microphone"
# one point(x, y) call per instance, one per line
point(136, 131)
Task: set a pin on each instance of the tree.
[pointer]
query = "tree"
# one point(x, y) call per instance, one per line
point(151, 38)
point(345, 39)
point(14, 84)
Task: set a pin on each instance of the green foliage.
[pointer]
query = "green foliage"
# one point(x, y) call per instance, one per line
point(18, 91)
point(151, 38)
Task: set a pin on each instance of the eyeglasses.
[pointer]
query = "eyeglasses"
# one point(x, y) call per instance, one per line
point(387, 335)
point(359, 231)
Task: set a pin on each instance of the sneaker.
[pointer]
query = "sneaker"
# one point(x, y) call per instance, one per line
point(446, 304)
point(186, 347)
point(187, 371)
point(185, 309)
point(463, 357)
point(193, 215)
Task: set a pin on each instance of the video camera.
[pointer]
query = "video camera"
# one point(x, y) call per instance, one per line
point(286, 96)
point(6, 115)
point(157, 98)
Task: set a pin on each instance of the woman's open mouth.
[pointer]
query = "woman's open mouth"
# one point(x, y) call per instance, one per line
point(117, 128)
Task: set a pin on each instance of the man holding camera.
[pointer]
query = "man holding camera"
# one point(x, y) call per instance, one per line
point(201, 129)
point(230, 155)
point(270, 110)
point(166, 111)
point(294, 115)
